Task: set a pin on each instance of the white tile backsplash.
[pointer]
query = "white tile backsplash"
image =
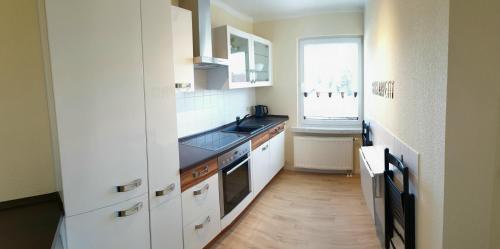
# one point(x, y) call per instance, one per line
point(203, 110)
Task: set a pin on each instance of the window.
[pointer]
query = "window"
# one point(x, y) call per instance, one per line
point(330, 81)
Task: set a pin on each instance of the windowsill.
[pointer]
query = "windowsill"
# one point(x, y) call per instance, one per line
point(327, 130)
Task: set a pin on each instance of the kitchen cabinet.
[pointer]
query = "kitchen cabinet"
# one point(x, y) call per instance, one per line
point(277, 151)
point(98, 96)
point(183, 49)
point(268, 157)
point(249, 60)
point(260, 166)
point(104, 228)
point(113, 97)
point(201, 213)
point(166, 225)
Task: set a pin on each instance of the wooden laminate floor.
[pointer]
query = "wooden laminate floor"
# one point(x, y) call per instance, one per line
point(304, 210)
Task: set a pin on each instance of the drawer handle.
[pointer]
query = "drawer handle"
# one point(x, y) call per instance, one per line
point(200, 226)
point(166, 191)
point(131, 211)
point(201, 173)
point(131, 186)
point(200, 191)
point(182, 85)
point(265, 147)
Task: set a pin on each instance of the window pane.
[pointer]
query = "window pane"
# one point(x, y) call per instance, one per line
point(331, 78)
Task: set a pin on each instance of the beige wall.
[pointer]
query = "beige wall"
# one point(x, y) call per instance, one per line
point(472, 124)
point(284, 34)
point(26, 163)
point(495, 224)
point(221, 16)
point(407, 41)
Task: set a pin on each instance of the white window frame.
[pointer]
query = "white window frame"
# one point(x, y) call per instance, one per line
point(329, 123)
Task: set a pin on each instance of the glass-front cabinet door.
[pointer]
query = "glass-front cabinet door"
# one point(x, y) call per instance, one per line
point(261, 70)
point(239, 58)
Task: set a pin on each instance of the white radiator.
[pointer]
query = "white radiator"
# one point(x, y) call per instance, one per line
point(324, 153)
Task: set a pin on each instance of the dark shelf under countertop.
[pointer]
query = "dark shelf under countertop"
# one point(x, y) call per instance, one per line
point(31, 222)
point(191, 156)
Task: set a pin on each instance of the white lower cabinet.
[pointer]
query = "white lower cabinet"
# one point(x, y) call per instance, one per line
point(267, 160)
point(277, 151)
point(202, 230)
point(200, 198)
point(103, 228)
point(201, 213)
point(166, 225)
point(260, 167)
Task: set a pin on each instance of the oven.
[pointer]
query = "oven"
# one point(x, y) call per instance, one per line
point(234, 177)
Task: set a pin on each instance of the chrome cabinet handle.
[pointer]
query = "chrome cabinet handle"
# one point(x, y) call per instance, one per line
point(265, 147)
point(200, 226)
point(200, 191)
point(131, 186)
point(182, 85)
point(166, 191)
point(131, 211)
point(201, 172)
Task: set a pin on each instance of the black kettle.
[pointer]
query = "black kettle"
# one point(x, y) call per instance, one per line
point(261, 111)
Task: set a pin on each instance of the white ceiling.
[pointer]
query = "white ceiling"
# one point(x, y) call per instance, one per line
point(260, 10)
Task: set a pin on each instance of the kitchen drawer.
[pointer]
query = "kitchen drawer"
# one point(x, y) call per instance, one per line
point(200, 198)
point(202, 230)
point(276, 130)
point(199, 173)
point(103, 228)
point(259, 140)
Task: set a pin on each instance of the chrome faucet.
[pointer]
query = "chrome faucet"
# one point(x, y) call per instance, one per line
point(240, 120)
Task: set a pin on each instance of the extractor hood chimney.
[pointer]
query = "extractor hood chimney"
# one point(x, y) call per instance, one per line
point(202, 34)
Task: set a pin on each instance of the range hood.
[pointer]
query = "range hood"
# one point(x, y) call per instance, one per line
point(202, 35)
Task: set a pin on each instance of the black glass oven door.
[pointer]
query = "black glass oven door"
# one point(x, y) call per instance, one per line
point(236, 183)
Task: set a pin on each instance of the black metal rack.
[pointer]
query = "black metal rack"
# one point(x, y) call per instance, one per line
point(399, 205)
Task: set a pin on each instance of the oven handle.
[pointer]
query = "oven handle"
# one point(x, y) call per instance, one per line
point(237, 166)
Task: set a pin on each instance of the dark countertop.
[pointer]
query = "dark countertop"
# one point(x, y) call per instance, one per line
point(191, 156)
point(31, 222)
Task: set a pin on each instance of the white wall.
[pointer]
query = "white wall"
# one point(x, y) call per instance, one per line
point(26, 162)
point(204, 109)
point(284, 34)
point(472, 120)
point(407, 41)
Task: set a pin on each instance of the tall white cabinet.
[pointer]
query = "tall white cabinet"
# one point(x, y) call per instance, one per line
point(114, 102)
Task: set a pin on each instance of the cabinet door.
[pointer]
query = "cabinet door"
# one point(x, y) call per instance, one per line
point(162, 143)
point(166, 225)
point(239, 58)
point(200, 198)
point(277, 148)
point(262, 63)
point(96, 60)
point(202, 230)
point(104, 229)
point(260, 165)
point(183, 53)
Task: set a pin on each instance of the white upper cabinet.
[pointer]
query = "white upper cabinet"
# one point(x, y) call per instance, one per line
point(249, 60)
point(262, 66)
point(98, 91)
point(182, 30)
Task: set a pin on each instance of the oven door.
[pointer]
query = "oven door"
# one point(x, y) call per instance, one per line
point(235, 182)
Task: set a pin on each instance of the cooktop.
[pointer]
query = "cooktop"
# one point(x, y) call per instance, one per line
point(214, 141)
